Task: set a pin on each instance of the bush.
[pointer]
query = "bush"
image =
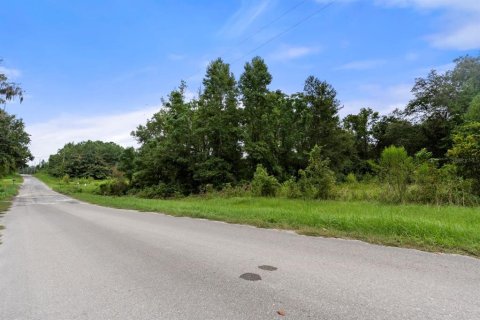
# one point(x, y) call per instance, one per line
point(160, 191)
point(290, 189)
point(395, 170)
point(264, 184)
point(116, 187)
point(317, 181)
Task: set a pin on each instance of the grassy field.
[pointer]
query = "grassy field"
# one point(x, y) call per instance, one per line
point(439, 229)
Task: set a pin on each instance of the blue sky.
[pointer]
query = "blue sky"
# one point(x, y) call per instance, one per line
point(95, 69)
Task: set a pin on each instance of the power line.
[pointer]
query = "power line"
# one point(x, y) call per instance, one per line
point(272, 22)
point(278, 35)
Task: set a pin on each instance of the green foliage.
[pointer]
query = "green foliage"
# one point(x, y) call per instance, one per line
point(473, 112)
point(465, 152)
point(14, 152)
point(115, 187)
point(290, 189)
point(317, 180)
point(9, 90)
point(94, 159)
point(264, 184)
point(395, 170)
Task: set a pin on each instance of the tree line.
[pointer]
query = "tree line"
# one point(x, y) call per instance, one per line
point(240, 132)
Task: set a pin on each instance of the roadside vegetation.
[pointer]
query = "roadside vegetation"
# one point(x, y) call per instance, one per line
point(242, 152)
point(9, 186)
point(451, 229)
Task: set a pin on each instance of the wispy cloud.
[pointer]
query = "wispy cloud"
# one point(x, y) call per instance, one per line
point(176, 57)
point(381, 98)
point(362, 65)
point(460, 23)
point(244, 17)
point(48, 137)
point(285, 53)
point(11, 73)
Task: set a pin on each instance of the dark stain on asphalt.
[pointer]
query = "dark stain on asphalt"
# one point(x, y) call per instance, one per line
point(267, 267)
point(250, 276)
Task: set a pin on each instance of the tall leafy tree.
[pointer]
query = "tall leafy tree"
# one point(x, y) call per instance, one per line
point(323, 124)
point(167, 152)
point(14, 141)
point(361, 126)
point(217, 127)
point(260, 116)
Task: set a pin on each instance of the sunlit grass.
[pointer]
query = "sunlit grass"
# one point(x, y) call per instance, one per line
point(432, 228)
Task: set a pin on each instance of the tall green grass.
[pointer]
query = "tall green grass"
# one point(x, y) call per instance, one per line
point(450, 229)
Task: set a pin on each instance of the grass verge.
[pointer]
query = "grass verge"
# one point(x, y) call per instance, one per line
point(8, 189)
point(449, 229)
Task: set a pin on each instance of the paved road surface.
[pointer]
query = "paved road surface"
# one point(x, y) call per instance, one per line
point(62, 259)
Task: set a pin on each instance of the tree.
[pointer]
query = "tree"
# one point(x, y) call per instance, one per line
point(14, 141)
point(9, 90)
point(441, 101)
point(465, 152)
point(94, 159)
point(361, 126)
point(167, 151)
point(260, 116)
point(323, 124)
point(473, 112)
point(126, 162)
point(217, 128)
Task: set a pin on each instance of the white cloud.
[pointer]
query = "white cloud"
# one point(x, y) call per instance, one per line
point(362, 65)
point(176, 56)
point(48, 137)
point(460, 23)
point(241, 20)
point(289, 52)
point(383, 99)
point(11, 73)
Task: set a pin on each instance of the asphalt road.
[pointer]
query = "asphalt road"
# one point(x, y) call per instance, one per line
point(63, 259)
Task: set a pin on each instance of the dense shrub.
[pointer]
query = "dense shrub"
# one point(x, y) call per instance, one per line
point(160, 191)
point(264, 184)
point(395, 169)
point(290, 189)
point(115, 187)
point(317, 180)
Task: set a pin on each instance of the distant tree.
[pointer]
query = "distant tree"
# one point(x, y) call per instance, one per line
point(93, 159)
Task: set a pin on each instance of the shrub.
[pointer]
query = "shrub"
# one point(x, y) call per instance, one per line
point(116, 187)
point(160, 191)
point(317, 180)
point(290, 189)
point(351, 178)
point(264, 184)
point(395, 170)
